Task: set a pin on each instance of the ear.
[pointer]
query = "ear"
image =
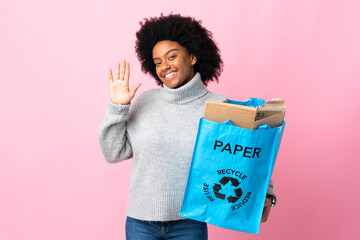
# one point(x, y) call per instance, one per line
point(193, 59)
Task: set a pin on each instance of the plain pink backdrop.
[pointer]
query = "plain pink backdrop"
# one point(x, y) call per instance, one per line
point(54, 58)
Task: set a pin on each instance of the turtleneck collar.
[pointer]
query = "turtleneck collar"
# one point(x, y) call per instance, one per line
point(192, 90)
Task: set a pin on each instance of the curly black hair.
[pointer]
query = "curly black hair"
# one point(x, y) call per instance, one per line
point(186, 31)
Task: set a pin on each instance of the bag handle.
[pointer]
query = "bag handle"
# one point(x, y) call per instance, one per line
point(251, 102)
point(228, 122)
point(261, 127)
point(264, 127)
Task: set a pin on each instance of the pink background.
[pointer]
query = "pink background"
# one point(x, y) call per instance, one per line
point(54, 57)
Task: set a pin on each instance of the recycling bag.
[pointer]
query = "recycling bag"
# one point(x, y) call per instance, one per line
point(229, 174)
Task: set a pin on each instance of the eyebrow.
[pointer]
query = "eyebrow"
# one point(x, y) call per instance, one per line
point(174, 49)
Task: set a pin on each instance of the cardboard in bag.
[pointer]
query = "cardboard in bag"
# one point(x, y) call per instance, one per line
point(271, 113)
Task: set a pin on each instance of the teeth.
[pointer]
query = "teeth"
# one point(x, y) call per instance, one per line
point(169, 75)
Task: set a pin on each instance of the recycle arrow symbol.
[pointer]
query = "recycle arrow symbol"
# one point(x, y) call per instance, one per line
point(234, 182)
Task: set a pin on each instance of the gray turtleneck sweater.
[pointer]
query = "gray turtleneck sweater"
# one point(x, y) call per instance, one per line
point(159, 133)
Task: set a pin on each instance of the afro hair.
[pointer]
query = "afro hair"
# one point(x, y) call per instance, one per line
point(186, 31)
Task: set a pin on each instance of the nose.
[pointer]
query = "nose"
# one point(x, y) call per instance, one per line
point(165, 66)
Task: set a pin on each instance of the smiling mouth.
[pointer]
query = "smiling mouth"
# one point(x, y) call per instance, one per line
point(169, 75)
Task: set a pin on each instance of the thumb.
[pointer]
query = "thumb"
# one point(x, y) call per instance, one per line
point(134, 89)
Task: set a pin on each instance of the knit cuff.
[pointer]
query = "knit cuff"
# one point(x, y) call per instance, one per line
point(118, 109)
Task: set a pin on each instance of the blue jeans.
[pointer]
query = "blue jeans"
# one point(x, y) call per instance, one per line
point(175, 230)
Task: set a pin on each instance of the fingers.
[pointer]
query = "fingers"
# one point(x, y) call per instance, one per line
point(266, 211)
point(122, 69)
point(122, 72)
point(127, 72)
point(134, 89)
point(265, 216)
point(110, 76)
point(117, 71)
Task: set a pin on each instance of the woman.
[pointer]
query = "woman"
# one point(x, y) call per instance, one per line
point(160, 130)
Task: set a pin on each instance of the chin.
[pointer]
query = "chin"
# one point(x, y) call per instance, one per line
point(172, 84)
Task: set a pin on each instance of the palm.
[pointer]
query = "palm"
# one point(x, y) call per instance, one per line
point(120, 92)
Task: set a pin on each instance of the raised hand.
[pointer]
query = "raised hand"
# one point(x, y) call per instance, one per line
point(119, 87)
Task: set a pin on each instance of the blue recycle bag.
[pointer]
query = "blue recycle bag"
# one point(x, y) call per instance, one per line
point(230, 173)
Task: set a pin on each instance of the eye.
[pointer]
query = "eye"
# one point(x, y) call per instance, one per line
point(172, 57)
point(157, 64)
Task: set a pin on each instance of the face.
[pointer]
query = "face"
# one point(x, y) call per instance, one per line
point(174, 65)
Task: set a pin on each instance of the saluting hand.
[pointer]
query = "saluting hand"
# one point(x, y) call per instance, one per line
point(119, 87)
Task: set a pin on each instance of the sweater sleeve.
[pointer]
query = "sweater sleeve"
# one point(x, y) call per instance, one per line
point(112, 134)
